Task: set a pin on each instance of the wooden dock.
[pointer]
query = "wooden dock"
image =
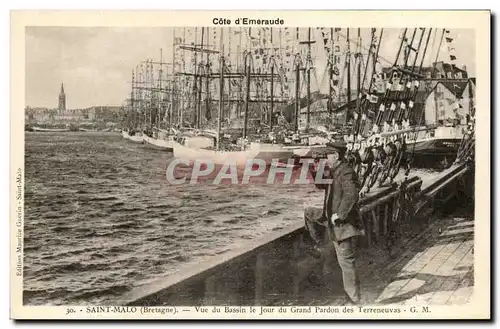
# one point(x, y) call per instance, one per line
point(423, 257)
point(433, 267)
point(441, 272)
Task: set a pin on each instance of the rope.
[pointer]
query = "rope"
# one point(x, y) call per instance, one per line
point(439, 47)
point(403, 208)
point(387, 61)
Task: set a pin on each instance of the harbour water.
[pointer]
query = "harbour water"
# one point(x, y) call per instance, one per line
point(100, 217)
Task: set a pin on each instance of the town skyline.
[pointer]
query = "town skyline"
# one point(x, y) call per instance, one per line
point(61, 103)
point(95, 64)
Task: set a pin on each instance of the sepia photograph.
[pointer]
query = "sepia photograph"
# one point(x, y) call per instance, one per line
point(244, 166)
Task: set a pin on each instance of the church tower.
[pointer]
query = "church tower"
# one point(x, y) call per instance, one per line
point(62, 99)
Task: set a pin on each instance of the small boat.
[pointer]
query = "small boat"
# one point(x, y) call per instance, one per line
point(443, 140)
point(134, 138)
point(301, 146)
point(158, 144)
point(241, 158)
point(438, 145)
point(216, 157)
point(55, 130)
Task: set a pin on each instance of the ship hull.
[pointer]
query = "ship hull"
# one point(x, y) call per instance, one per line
point(241, 158)
point(272, 152)
point(216, 157)
point(305, 151)
point(158, 144)
point(53, 130)
point(433, 152)
point(435, 146)
point(134, 139)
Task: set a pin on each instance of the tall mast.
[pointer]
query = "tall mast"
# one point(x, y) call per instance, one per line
point(207, 79)
point(348, 59)
point(143, 96)
point(281, 61)
point(197, 88)
point(150, 86)
point(156, 90)
point(409, 49)
point(374, 59)
point(229, 59)
point(330, 73)
point(195, 78)
point(247, 96)
point(221, 87)
point(308, 79)
point(425, 51)
point(138, 97)
point(240, 94)
point(297, 93)
point(381, 112)
point(174, 78)
point(170, 108)
point(271, 108)
point(183, 104)
point(308, 67)
point(362, 112)
point(297, 85)
point(160, 100)
point(132, 103)
point(199, 77)
point(147, 96)
point(402, 78)
point(358, 57)
point(439, 47)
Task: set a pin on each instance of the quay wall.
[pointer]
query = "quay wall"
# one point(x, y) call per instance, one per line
point(276, 269)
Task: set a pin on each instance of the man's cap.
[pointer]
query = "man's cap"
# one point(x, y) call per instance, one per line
point(339, 145)
point(330, 147)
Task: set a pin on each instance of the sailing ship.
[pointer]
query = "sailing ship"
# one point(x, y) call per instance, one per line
point(200, 138)
point(206, 144)
point(130, 131)
point(133, 138)
point(388, 127)
point(159, 139)
point(380, 118)
point(448, 109)
point(144, 98)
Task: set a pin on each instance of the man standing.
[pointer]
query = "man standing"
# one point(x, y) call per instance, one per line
point(339, 217)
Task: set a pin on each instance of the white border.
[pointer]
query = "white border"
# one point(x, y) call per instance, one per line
point(149, 4)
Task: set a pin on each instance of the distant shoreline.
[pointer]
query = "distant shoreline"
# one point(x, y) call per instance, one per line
point(70, 132)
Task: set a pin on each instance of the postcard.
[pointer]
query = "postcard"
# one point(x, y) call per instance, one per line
point(250, 165)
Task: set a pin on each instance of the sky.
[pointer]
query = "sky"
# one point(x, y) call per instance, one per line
point(96, 63)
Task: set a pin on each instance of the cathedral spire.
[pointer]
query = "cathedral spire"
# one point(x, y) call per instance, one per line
point(62, 99)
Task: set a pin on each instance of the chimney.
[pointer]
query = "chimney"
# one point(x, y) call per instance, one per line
point(464, 68)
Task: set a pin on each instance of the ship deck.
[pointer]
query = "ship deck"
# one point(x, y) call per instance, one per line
point(434, 267)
